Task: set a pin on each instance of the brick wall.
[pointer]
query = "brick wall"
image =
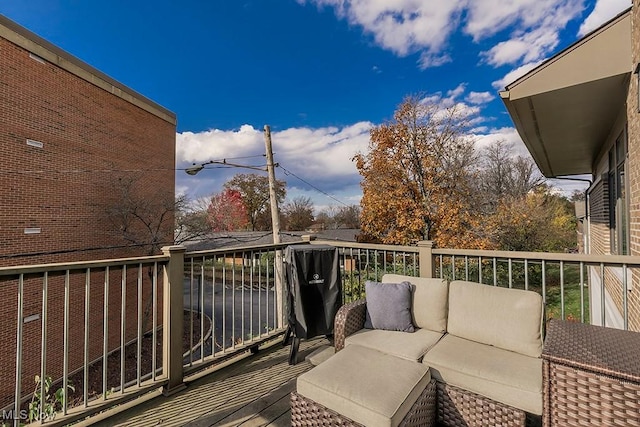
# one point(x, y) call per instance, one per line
point(91, 141)
point(633, 129)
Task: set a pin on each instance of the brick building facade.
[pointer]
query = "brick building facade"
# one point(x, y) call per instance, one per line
point(75, 147)
point(578, 113)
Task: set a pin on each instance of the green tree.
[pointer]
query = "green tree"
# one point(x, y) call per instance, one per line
point(254, 189)
point(539, 221)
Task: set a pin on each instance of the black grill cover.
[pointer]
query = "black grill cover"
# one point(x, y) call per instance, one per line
point(315, 290)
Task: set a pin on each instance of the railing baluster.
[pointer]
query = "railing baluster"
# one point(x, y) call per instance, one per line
point(562, 309)
point(87, 304)
point(224, 303)
point(495, 272)
point(201, 313)
point(43, 349)
point(242, 283)
point(479, 269)
point(466, 268)
point(123, 321)
point(154, 342)
point(267, 296)
point(581, 292)
point(233, 300)
point(65, 355)
point(251, 295)
point(510, 267)
point(375, 263)
point(18, 389)
point(105, 333)
point(191, 280)
point(213, 306)
point(453, 267)
point(139, 343)
point(526, 274)
point(260, 294)
point(543, 272)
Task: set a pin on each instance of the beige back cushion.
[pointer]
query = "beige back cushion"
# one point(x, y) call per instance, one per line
point(429, 302)
point(510, 319)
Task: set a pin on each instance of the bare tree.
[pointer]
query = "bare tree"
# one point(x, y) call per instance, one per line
point(504, 175)
point(150, 221)
point(347, 217)
point(298, 213)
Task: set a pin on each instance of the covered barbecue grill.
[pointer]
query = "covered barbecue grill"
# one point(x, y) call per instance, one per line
point(312, 274)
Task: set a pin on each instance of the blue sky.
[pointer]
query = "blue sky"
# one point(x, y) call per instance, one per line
point(321, 73)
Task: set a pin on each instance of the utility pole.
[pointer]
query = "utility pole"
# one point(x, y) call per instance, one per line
point(275, 216)
point(275, 225)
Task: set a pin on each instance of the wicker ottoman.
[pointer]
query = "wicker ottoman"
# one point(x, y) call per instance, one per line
point(360, 386)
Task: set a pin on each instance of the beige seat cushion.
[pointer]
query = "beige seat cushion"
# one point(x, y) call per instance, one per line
point(429, 303)
point(501, 375)
point(407, 345)
point(370, 387)
point(510, 319)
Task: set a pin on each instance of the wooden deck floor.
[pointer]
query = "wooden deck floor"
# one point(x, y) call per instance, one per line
point(251, 392)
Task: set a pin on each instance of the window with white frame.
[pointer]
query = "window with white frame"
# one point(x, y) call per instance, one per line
point(618, 199)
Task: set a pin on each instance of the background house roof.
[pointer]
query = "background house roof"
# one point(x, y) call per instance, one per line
point(239, 239)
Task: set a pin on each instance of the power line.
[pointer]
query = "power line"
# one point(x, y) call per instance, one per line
point(288, 172)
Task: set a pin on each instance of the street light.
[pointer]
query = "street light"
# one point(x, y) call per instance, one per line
point(193, 170)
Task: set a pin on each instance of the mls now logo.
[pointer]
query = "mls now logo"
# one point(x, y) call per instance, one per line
point(12, 415)
point(316, 280)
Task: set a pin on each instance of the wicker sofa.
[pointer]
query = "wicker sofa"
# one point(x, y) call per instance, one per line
point(481, 345)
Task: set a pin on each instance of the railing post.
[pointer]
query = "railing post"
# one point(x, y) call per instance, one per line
point(173, 316)
point(426, 258)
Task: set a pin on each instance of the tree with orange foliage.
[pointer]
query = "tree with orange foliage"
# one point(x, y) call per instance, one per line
point(417, 177)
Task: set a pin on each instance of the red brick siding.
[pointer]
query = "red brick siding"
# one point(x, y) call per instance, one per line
point(90, 139)
point(65, 188)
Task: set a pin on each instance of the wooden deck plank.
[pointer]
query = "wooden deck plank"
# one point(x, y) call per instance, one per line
point(252, 391)
point(270, 414)
point(257, 406)
point(283, 420)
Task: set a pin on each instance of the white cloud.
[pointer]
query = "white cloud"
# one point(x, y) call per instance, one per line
point(507, 134)
point(479, 97)
point(320, 156)
point(402, 26)
point(602, 12)
point(414, 26)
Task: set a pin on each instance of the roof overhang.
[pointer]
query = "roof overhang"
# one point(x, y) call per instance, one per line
point(565, 108)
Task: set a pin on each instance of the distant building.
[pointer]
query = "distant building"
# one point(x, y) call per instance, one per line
point(70, 139)
point(74, 144)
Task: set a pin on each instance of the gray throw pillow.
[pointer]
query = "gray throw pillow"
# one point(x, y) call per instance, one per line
point(388, 306)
